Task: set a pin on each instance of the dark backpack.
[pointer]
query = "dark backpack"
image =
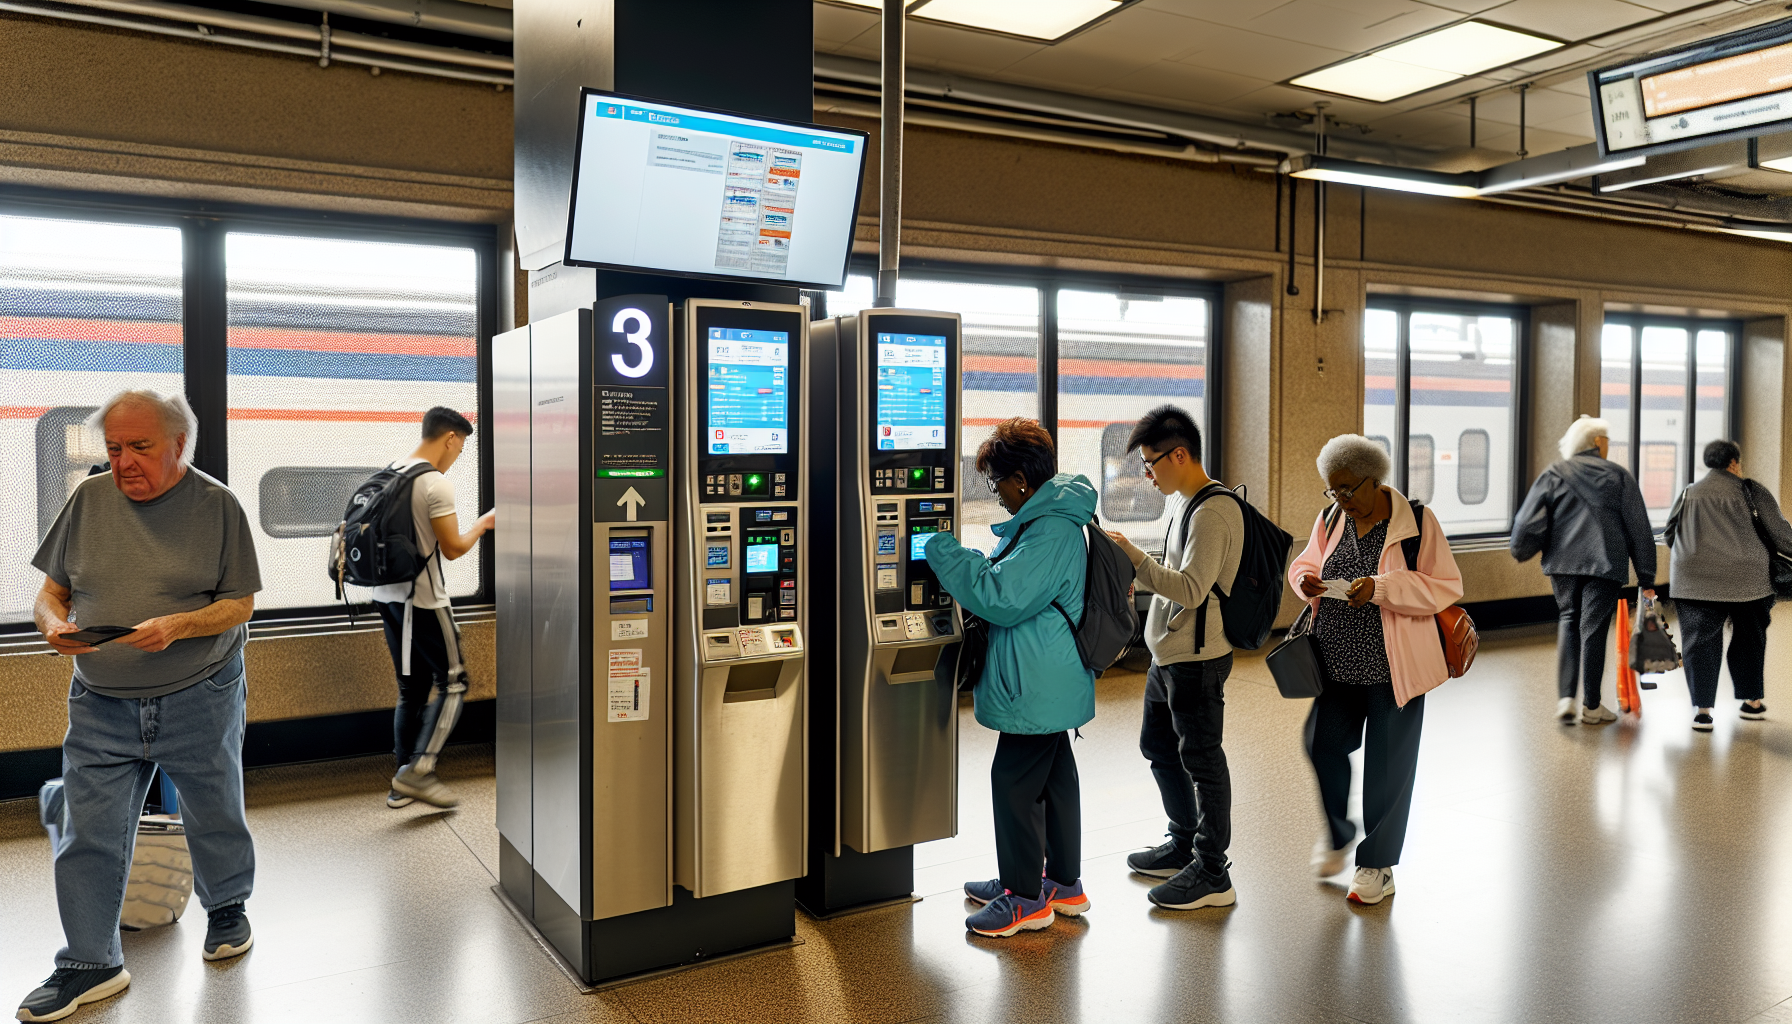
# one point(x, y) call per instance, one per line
point(376, 543)
point(1249, 611)
point(1109, 618)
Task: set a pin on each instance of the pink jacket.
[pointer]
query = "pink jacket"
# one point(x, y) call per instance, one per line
point(1409, 599)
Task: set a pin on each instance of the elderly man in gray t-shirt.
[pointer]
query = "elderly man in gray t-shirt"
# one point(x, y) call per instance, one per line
point(160, 549)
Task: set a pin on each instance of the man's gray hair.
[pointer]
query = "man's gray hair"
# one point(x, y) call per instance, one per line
point(1356, 455)
point(176, 415)
point(1581, 434)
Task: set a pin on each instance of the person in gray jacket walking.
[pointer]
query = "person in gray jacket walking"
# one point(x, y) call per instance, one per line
point(1586, 515)
point(1721, 574)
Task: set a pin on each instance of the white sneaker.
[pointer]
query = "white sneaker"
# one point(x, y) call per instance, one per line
point(426, 788)
point(1327, 861)
point(1371, 885)
point(1565, 710)
point(1597, 715)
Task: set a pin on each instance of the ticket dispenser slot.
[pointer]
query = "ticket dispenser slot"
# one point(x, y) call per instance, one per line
point(742, 760)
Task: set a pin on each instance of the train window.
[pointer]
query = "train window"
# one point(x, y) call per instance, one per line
point(1665, 382)
point(1382, 440)
point(307, 501)
point(1474, 449)
point(336, 347)
point(1121, 354)
point(90, 308)
point(1436, 369)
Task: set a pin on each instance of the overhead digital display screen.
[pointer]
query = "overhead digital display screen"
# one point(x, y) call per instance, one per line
point(1721, 88)
point(911, 392)
point(748, 410)
point(707, 193)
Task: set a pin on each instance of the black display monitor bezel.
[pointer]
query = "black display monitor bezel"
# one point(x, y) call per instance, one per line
point(1700, 52)
point(572, 200)
point(790, 462)
point(947, 457)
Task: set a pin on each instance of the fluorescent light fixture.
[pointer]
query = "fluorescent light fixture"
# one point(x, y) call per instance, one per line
point(1656, 179)
point(1783, 163)
point(1771, 236)
point(1047, 20)
point(1550, 168)
point(1400, 179)
point(1424, 62)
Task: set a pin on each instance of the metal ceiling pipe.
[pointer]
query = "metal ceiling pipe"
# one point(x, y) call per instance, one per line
point(442, 15)
point(889, 195)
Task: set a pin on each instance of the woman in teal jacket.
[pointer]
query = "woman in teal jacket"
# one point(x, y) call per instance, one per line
point(1034, 688)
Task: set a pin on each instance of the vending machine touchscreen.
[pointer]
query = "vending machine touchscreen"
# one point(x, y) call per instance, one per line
point(742, 602)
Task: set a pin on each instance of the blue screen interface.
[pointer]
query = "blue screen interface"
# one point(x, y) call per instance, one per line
point(749, 392)
point(628, 564)
point(917, 542)
point(911, 392)
point(762, 558)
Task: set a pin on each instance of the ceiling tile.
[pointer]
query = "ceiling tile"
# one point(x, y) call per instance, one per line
point(1540, 106)
point(1537, 142)
point(1353, 25)
point(1223, 48)
point(1275, 99)
point(964, 50)
point(1141, 34)
point(837, 25)
point(1052, 68)
point(1223, 12)
point(1169, 80)
point(1666, 6)
point(1466, 6)
point(1569, 20)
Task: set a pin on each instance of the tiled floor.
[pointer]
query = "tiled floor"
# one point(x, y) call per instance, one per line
point(1625, 873)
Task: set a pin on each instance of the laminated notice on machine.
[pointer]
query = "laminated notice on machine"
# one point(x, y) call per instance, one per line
point(631, 686)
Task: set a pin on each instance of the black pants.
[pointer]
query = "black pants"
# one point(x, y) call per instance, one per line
point(415, 716)
point(1584, 607)
point(1335, 728)
point(1181, 738)
point(1702, 634)
point(1039, 811)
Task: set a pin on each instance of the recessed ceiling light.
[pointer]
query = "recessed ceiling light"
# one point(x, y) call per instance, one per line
point(1426, 61)
point(1035, 19)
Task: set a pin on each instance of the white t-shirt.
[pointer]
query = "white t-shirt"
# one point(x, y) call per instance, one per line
point(432, 497)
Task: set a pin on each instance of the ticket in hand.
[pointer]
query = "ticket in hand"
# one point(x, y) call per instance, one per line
point(1337, 590)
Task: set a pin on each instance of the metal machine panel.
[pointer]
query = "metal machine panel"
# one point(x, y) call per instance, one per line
point(569, 44)
point(510, 462)
point(559, 588)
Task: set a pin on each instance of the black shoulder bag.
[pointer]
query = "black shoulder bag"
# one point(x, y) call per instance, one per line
point(961, 664)
point(1295, 663)
point(1779, 567)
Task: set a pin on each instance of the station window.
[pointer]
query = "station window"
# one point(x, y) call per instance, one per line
point(1665, 382)
point(309, 353)
point(1441, 372)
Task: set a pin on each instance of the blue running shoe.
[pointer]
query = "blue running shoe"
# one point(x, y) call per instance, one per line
point(1068, 899)
point(1008, 913)
point(983, 892)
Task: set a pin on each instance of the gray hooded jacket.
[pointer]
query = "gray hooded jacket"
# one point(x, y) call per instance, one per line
point(1586, 515)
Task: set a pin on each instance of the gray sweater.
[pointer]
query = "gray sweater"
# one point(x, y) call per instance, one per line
point(1717, 554)
point(1215, 540)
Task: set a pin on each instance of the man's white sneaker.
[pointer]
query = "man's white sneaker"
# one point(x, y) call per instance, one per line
point(1371, 885)
point(1597, 715)
point(1326, 861)
point(426, 788)
point(1565, 710)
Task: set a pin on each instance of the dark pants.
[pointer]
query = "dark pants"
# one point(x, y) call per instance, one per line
point(1584, 607)
point(1181, 738)
point(1335, 728)
point(1038, 810)
point(415, 716)
point(1702, 634)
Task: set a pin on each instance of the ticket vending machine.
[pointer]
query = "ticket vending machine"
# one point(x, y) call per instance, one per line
point(742, 598)
point(885, 468)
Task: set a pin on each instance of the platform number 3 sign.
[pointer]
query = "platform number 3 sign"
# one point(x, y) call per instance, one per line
point(631, 329)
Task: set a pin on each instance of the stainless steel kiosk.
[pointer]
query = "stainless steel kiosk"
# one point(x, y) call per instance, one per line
point(885, 473)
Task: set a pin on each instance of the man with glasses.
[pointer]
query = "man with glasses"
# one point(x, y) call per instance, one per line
point(1185, 691)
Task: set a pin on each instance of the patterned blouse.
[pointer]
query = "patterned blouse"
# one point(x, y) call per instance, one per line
point(1351, 643)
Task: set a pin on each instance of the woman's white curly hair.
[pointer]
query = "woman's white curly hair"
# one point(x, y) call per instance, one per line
point(1356, 455)
point(1581, 434)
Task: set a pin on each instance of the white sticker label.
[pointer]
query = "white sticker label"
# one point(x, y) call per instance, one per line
point(631, 696)
point(622, 567)
point(625, 661)
point(718, 592)
point(628, 629)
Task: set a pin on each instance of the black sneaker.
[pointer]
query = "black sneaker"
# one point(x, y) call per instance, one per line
point(1755, 712)
point(1701, 722)
point(227, 933)
point(1195, 887)
point(68, 988)
point(1160, 861)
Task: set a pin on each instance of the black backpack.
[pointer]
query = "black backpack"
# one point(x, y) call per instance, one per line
point(1109, 618)
point(1249, 611)
point(376, 543)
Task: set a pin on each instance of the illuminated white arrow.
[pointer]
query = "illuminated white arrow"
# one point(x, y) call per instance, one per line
point(632, 498)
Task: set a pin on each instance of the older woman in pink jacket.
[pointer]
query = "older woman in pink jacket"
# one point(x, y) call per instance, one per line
point(1381, 652)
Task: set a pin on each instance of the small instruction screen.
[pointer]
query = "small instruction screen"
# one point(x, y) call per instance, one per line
point(663, 187)
point(911, 392)
point(628, 564)
point(749, 392)
point(762, 553)
point(917, 541)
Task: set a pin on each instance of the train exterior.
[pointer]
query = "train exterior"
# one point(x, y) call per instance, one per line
point(335, 349)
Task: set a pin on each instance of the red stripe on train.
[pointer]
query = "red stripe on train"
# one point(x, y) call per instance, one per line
point(146, 333)
point(31, 412)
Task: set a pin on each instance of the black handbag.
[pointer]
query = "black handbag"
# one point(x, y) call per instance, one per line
point(961, 664)
point(1779, 567)
point(1295, 662)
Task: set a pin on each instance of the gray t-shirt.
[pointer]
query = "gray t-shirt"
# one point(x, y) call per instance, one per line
point(126, 561)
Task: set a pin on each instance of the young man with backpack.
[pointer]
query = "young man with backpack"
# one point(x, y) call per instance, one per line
point(1191, 657)
point(419, 625)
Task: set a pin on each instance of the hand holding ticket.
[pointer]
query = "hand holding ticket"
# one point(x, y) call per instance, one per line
point(1337, 590)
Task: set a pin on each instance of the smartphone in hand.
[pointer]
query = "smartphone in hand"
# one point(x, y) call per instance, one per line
point(93, 636)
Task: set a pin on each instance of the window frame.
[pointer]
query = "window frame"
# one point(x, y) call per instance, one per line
point(1403, 307)
point(1732, 414)
point(204, 228)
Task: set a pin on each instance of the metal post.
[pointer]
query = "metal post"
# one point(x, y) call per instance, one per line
point(1319, 219)
point(1523, 90)
point(1471, 122)
point(889, 206)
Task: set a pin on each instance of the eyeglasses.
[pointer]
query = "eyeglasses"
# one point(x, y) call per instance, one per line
point(1344, 494)
point(1150, 464)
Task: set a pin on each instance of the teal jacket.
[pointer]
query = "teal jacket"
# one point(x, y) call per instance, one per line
point(1034, 682)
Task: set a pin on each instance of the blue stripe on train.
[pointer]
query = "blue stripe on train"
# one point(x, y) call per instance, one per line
point(986, 380)
point(56, 354)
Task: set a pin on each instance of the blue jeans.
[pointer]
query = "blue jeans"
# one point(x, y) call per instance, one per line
point(108, 759)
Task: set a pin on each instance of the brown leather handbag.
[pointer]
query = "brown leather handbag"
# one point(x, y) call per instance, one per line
point(1455, 630)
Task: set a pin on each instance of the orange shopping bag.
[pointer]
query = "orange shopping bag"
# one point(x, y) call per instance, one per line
point(1630, 697)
